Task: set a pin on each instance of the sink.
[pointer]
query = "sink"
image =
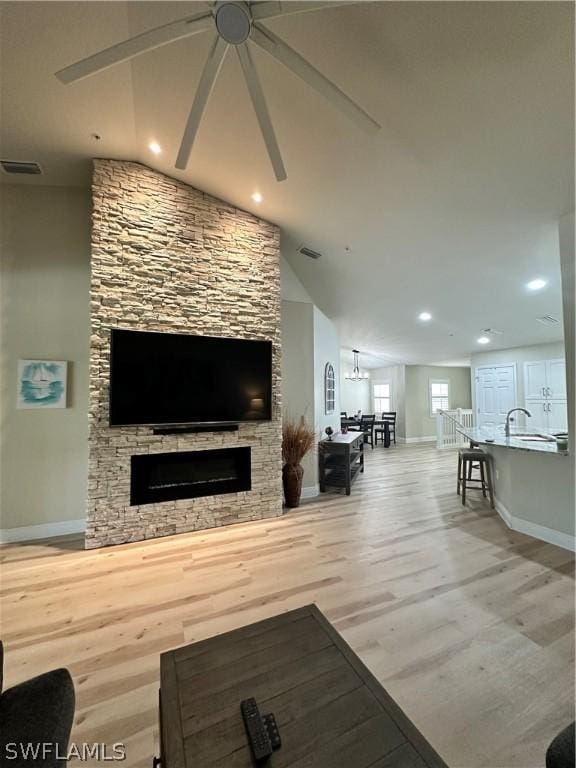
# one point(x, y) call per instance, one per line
point(532, 437)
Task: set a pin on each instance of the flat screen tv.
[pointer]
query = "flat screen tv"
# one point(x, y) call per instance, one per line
point(175, 379)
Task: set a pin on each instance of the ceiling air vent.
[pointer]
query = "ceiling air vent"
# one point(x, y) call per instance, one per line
point(17, 166)
point(310, 253)
point(548, 320)
point(493, 331)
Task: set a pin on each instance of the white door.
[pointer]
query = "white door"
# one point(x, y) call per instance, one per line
point(556, 379)
point(557, 416)
point(495, 394)
point(486, 397)
point(535, 380)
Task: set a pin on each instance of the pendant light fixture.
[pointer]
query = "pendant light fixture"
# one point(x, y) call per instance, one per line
point(356, 374)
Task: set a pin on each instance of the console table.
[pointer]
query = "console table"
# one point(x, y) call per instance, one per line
point(340, 460)
point(330, 710)
point(354, 424)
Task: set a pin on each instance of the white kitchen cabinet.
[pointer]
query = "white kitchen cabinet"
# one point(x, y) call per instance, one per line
point(538, 422)
point(557, 415)
point(545, 379)
point(535, 380)
point(556, 379)
point(545, 395)
point(548, 416)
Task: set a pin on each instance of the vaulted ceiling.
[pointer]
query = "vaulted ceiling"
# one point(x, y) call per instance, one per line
point(451, 207)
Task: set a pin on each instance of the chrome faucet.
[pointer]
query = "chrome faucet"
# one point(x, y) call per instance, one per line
point(511, 411)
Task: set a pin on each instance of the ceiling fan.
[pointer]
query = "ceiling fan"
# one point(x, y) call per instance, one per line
point(235, 23)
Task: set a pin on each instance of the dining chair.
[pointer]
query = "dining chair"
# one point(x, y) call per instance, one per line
point(367, 427)
point(390, 417)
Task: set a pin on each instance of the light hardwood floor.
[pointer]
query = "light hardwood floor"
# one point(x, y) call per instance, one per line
point(468, 625)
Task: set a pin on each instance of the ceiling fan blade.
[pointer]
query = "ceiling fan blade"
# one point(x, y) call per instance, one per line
point(277, 48)
point(207, 80)
point(134, 46)
point(261, 109)
point(269, 9)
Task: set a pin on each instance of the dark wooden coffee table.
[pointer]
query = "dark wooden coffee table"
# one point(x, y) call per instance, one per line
point(331, 711)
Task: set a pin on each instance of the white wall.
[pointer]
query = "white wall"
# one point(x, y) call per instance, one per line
point(354, 395)
point(298, 358)
point(419, 423)
point(396, 376)
point(518, 356)
point(567, 264)
point(298, 372)
point(410, 398)
point(568, 267)
point(410, 395)
point(326, 350)
point(291, 289)
point(45, 268)
point(309, 341)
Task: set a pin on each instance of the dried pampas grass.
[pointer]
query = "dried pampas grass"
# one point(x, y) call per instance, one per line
point(297, 440)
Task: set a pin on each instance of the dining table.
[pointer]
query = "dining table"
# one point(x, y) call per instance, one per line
point(353, 424)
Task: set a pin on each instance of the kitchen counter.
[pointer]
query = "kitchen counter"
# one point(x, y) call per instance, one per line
point(497, 438)
point(533, 490)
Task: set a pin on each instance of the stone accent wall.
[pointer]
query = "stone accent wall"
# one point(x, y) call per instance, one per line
point(167, 257)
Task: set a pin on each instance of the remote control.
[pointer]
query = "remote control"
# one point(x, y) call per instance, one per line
point(257, 733)
point(273, 732)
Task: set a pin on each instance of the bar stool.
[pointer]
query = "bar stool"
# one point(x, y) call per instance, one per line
point(472, 466)
point(467, 457)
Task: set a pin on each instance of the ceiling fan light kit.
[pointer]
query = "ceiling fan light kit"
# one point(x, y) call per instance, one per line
point(233, 22)
point(236, 23)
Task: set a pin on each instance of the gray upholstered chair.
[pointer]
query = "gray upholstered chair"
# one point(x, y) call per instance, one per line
point(560, 753)
point(39, 711)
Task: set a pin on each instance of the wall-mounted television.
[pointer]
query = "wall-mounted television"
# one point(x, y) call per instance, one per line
point(178, 379)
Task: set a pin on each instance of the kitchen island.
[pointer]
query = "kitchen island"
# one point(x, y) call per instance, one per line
point(533, 483)
point(520, 440)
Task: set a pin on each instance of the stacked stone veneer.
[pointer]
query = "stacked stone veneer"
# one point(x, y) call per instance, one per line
point(167, 257)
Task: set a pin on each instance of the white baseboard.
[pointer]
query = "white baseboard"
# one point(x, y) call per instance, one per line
point(44, 531)
point(428, 439)
point(537, 531)
point(311, 492)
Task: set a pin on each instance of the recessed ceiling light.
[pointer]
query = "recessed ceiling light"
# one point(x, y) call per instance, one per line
point(425, 316)
point(155, 147)
point(483, 340)
point(536, 285)
point(257, 197)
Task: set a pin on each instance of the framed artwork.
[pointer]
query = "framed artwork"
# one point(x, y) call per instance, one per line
point(329, 389)
point(42, 383)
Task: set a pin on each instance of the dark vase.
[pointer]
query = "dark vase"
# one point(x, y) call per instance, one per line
point(292, 480)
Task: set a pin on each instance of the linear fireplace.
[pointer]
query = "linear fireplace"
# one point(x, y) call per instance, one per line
point(186, 475)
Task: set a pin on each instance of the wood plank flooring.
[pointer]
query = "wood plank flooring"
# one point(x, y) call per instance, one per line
point(469, 626)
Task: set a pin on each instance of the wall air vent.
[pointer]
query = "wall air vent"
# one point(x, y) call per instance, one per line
point(310, 253)
point(18, 166)
point(548, 320)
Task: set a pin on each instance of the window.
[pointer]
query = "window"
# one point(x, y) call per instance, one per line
point(439, 396)
point(382, 398)
point(329, 389)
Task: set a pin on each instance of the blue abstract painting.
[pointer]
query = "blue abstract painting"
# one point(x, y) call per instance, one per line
point(42, 383)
